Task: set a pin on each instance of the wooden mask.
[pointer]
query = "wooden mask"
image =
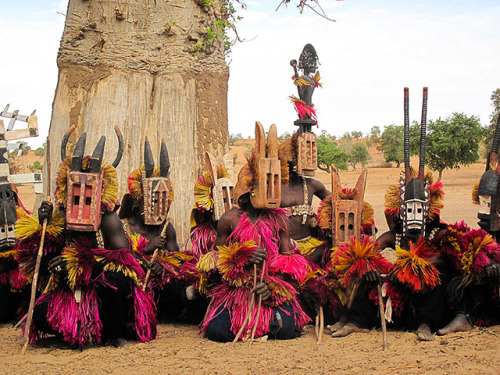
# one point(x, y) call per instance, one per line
point(222, 189)
point(307, 158)
point(267, 191)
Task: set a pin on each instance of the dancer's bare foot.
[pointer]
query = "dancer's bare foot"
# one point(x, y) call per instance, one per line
point(347, 329)
point(341, 323)
point(119, 342)
point(424, 333)
point(458, 324)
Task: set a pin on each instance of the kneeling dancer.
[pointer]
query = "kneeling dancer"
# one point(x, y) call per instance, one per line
point(255, 256)
point(90, 282)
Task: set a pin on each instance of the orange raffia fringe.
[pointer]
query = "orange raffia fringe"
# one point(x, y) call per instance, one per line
point(413, 268)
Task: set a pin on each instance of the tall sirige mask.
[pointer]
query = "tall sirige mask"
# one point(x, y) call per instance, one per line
point(8, 215)
point(414, 192)
point(85, 182)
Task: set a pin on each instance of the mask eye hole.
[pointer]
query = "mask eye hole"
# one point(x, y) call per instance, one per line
point(351, 227)
point(419, 210)
point(342, 228)
point(410, 210)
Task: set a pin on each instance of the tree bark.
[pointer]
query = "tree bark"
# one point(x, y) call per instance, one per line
point(132, 64)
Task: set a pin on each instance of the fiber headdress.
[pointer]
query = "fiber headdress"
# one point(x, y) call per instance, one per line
point(85, 188)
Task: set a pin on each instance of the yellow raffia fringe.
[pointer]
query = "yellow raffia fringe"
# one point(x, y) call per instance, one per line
point(474, 247)
point(70, 255)
point(367, 214)
point(301, 82)
point(134, 239)
point(207, 262)
point(110, 266)
point(8, 254)
point(203, 192)
point(475, 193)
point(308, 246)
point(281, 291)
point(317, 78)
point(28, 225)
point(135, 186)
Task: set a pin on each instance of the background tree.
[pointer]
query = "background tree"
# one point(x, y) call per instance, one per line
point(359, 155)
point(329, 153)
point(356, 134)
point(495, 103)
point(452, 143)
point(375, 133)
point(391, 141)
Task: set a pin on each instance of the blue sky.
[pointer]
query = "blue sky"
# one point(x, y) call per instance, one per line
point(373, 50)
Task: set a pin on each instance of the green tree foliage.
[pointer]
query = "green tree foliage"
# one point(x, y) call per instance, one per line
point(375, 133)
point(37, 166)
point(495, 103)
point(284, 136)
point(391, 141)
point(453, 142)
point(359, 155)
point(355, 134)
point(329, 153)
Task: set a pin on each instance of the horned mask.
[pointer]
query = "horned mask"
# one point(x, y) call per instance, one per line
point(155, 189)
point(84, 185)
point(266, 192)
point(414, 192)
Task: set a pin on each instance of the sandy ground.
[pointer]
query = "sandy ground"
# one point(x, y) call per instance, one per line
point(180, 350)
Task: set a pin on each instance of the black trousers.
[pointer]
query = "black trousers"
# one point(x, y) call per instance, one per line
point(219, 329)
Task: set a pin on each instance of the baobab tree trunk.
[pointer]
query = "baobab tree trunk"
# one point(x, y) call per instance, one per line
point(134, 64)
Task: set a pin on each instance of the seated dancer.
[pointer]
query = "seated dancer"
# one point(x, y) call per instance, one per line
point(473, 290)
point(14, 293)
point(144, 212)
point(90, 282)
point(253, 242)
point(346, 218)
point(297, 192)
point(419, 273)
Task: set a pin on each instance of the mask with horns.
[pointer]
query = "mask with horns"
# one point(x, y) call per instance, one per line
point(89, 185)
point(156, 187)
point(414, 192)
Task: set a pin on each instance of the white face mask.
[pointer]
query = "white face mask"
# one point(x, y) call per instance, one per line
point(484, 204)
point(414, 214)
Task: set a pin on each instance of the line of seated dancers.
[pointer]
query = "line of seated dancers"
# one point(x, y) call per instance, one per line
point(259, 262)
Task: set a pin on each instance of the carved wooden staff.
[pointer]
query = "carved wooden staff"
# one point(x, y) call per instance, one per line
point(34, 284)
point(155, 255)
point(259, 304)
point(320, 325)
point(250, 303)
point(382, 314)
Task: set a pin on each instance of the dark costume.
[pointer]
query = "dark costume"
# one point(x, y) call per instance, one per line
point(95, 294)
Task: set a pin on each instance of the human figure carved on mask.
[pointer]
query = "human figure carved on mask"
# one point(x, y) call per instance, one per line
point(306, 84)
point(90, 282)
point(253, 239)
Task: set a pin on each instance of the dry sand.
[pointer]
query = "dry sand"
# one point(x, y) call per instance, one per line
point(180, 350)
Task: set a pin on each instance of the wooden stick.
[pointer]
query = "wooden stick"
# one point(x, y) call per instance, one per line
point(155, 254)
point(23, 319)
point(316, 324)
point(258, 305)
point(382, 316)
point(250, 307)
point(34, 283)
point(321, 325)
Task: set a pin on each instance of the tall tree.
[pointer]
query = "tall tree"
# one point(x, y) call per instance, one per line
point(154, 68)
point(359, 155)
point(330, 154)
point(453, 142)
point(391, 141)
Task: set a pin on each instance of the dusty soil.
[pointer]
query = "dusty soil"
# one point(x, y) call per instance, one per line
point(180, 350)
